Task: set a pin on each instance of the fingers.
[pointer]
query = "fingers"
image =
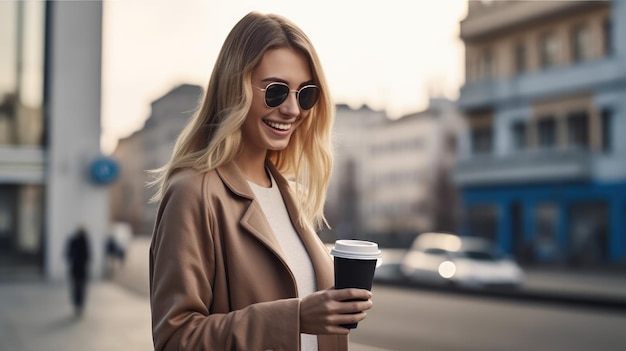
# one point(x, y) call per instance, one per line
point(348, 300)
point(347, 318)
point(352, 306)
point(350, 294)
point(336, 321)
point(323, 312)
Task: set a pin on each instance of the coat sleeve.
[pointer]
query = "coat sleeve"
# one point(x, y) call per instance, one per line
point(182, 269)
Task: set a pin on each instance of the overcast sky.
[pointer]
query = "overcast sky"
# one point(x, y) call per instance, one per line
point(390, 55)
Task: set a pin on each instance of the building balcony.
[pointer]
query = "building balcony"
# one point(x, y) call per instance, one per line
point(21, 165)
point(528, 167)
point(556, 81)
point(485, 19)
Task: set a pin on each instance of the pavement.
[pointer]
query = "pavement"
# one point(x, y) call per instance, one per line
point(36, 315)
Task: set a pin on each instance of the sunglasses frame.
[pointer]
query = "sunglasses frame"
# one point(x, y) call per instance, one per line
point(297, 92)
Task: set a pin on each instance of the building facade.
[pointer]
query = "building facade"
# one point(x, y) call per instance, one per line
point(126, 196)
point(392, 178)
point(147, 149)
point(344, 206)
point(50, 74)
point(542, 166)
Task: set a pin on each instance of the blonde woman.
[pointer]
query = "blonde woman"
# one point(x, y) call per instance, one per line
point(235, 263)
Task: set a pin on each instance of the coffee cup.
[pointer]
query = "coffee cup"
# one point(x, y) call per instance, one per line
point(355, 263)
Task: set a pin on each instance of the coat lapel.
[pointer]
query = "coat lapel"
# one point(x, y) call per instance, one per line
point(253, 219)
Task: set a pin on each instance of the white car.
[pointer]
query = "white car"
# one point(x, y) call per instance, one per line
point(469, 262)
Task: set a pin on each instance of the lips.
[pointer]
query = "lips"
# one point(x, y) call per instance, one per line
point(278, 126)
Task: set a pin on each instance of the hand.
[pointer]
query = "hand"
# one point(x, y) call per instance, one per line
point(323, 311)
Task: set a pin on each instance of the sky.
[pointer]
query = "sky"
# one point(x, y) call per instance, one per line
point(389, 55)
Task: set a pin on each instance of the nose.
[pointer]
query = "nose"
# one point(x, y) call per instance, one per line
point(290, 107)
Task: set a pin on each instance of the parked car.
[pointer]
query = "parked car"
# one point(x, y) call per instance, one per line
point(469, 262)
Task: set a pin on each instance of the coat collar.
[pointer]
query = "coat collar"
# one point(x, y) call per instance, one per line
point(256, 223)
point(253, 218)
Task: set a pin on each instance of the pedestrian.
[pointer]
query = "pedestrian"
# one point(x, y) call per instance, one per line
point(78, 256)
point(235, 261)
point(114, 254)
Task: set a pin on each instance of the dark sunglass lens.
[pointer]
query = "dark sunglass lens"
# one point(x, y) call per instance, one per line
point(276, 94)
point(308, 96)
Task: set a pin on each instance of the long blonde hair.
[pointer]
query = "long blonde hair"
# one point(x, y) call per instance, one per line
point(213, 136)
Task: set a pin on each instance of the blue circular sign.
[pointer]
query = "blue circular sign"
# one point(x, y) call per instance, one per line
point(104, 170)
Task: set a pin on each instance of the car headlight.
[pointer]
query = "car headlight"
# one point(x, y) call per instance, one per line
point(447, 269)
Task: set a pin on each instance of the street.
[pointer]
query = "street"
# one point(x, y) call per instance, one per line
point(411, 319)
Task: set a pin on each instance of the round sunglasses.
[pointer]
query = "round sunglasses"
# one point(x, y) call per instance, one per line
point(277, 92)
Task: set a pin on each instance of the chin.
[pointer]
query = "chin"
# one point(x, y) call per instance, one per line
point(278, 146)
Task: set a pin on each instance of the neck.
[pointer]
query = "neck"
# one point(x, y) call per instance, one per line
point(253, 169)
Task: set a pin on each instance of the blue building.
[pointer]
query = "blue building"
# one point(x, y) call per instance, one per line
point(542, 167)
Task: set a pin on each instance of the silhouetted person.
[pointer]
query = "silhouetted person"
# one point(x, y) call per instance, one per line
point(114, 255)
point(78, 256)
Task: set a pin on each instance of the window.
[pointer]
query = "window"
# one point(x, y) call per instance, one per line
point(607, 34)
point(588, 231)
point(580, 43)
point(548, 50)
point(546, 216)
point(487, 65)
point(547, 132)
point(21, 73)
point(482, 221)
point(436, 252)
point(578, 129)
point(519, 135)
point(520, 58)
point(450, 144)
point(607, 138)
point(482, 141)
point(481, 254)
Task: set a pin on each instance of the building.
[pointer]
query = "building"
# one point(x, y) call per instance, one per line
point(392, 178)
point(343, 208)
point(543, 167)
point(50, 90)
point(126, 196)
point(147, 149)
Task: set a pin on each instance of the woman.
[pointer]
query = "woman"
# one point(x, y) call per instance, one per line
point(235, 263)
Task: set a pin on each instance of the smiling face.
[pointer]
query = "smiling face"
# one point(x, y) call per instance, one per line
point(271, 128)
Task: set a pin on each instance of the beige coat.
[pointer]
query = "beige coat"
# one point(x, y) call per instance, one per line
point(218, 278)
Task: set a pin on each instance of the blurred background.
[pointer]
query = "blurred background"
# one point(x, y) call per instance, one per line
point(498, 120)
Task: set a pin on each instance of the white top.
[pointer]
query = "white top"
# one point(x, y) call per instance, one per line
point(297, 257)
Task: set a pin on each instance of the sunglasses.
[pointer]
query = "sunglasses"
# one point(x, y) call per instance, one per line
point(277, 92)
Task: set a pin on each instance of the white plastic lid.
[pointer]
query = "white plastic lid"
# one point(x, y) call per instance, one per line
point(356, 249)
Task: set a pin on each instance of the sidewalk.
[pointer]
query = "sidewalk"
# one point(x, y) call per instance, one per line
point(593, 283)
point(38, 316)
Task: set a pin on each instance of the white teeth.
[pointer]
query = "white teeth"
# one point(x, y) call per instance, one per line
point(276, 125)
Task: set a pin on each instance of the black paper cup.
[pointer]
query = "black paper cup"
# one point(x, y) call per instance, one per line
point(355, 263)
